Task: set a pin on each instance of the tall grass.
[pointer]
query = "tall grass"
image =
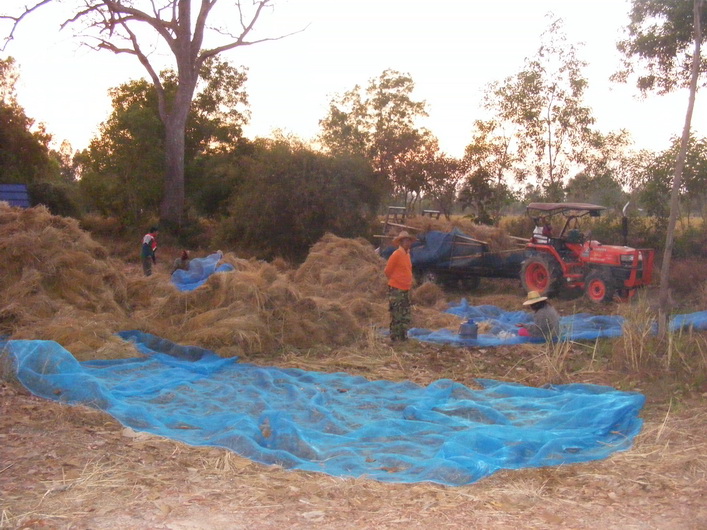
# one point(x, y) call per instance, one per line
point(638, 348)
point(681, 353)
point(552, 360)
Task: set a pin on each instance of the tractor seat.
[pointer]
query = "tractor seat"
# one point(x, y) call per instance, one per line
point(575, 236)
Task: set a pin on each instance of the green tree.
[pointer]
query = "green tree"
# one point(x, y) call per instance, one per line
point(121, 26)
point(606, 172)
point(485, 196)
point(542, 128)
point(292, 195)
point(122, 167)
point(24, 148)
point(379, 123)
point(597, 188)
point(658, 50)
point(444, 176)
point(665, 39)
point(656, 186)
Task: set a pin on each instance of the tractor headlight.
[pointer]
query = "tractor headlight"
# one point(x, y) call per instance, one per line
point(627, 260)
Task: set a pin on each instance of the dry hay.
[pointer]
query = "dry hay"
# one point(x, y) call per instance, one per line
point(59, 284)
point(483, 326)
point(74, 294)
point(57, 281)
point(497, 238)
point(338, 267)
point(259, 307)
point(434, 318)
point(428, 294)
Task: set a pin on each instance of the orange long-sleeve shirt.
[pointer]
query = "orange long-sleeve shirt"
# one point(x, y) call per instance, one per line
point(398, 270)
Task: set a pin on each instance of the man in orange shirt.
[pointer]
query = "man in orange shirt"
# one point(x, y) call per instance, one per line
point(398, 270)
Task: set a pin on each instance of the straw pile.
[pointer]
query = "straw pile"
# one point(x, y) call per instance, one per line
point(496, 237)
point(56, 283)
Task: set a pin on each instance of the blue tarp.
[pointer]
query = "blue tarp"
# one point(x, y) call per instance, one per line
point(434, 248)
point(337, 423)
point(503, 330)
point(199, 271)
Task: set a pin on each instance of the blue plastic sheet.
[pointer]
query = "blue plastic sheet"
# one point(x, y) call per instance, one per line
point(199, 271)
point(503, 330)
point(435, 248)
point(337, 423)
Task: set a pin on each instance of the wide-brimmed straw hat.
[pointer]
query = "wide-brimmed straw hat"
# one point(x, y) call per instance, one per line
point(534, 298)
point(402, 235)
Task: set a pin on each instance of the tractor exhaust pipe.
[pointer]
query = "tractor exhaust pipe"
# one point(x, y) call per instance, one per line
point(624, 224)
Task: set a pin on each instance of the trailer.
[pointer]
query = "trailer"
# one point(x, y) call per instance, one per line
point(454, 259)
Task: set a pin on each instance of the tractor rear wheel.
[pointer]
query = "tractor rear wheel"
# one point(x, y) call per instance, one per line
point(470, 283)
point(599, 286)
point(542, 274)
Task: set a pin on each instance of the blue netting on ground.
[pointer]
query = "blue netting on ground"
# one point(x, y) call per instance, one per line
point(503, 330)
point(199, 271)
point(337, 423)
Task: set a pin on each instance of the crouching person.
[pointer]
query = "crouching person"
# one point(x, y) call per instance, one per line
point(182, 262)
point(546, 319)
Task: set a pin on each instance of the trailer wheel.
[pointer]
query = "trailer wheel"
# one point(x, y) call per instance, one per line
point(540, 273)
point(470, 282)
point(599, 286)
point(431, 277)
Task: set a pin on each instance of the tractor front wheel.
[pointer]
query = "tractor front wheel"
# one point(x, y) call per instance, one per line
point(599, 286)
point(542, 274)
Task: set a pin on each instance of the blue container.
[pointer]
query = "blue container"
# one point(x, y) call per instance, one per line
point(468, 330)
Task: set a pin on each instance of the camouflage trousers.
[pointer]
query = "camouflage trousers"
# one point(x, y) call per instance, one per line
point(147, 265)
point(400, 313)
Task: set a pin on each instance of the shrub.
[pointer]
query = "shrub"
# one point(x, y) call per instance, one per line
point(293, 196)
point(56, 197)
point(688, 277)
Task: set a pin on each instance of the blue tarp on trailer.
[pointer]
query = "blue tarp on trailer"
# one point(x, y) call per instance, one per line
point(15, 195)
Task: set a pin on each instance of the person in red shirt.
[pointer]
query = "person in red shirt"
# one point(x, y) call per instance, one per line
point(398, 270)
point(147, 252)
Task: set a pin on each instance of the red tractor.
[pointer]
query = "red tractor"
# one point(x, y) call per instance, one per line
point(572, 260)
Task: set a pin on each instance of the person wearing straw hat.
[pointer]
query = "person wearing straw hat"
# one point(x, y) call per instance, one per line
point(398, 270)
point(546, 319)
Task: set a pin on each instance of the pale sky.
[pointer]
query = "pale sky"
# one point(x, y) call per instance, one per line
point(451, 48)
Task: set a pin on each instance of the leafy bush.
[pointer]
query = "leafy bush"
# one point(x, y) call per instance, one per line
point(98, 224)
point(517, 225)
point(58, 198)
point(691, 242)
point(688, 277)
point(292, 196)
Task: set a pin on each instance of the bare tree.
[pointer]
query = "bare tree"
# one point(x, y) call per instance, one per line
point(115, 25)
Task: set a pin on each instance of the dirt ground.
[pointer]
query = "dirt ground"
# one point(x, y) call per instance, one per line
point(77, 468)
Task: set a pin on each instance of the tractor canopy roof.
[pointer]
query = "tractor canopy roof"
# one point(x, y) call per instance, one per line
point(568, 209)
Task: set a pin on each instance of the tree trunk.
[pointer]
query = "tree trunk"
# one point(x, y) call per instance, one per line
point(175, 120)
point(664, 294)
point(172, 207)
